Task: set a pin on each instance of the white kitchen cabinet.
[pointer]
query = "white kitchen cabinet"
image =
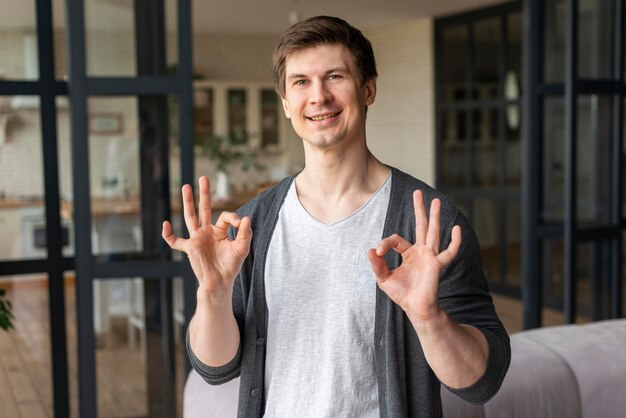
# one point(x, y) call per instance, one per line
point(238, 109)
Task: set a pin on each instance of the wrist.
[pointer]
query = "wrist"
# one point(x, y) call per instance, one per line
point(216, 298)
point(427, 323)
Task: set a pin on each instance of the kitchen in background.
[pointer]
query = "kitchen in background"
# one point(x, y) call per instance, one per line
point(231, 98)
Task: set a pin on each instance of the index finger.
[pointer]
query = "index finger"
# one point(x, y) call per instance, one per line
point(204, 205)
point(421, 222)
point(191, 220)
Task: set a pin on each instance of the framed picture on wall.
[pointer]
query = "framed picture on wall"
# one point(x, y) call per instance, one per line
point(105, 123)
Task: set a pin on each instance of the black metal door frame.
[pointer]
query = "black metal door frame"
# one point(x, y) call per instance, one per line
point(46, 88)
point(153, 86)
point(536, 232)
point(159, 265)
point(503, 195)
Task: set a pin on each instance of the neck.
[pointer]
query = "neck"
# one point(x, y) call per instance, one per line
point(333, 173)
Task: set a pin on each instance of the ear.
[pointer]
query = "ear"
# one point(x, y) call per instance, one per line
point(285, 107)
point(370, 91)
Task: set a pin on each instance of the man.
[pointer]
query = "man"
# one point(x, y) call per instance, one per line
point(334, 294)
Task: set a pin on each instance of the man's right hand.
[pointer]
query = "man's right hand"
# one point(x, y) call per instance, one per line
point(215, 258)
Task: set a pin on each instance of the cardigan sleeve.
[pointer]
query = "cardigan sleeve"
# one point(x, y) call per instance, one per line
point(231, 370)
point(215, 375)
point(464, 295)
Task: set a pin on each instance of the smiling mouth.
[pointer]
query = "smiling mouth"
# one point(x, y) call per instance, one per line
point(323, 117)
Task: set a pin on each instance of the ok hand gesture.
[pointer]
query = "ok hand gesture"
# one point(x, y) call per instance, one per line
point(215, 258)
point(415, 284)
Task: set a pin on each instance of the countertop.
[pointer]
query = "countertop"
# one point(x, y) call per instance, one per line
point(120, 206)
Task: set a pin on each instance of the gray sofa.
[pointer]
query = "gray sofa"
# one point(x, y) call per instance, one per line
point(569, 371)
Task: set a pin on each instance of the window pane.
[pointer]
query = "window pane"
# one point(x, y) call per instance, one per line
point(60, 39)
point(487, 46)
point(171, 34)
point(18, 42)
point(121, 338)
point(594, 154)
point(554, 30)
point(595, 45)
point(129, 342)
point(486, 224)
point(454, 158)
point(592, 281)
point(26, 367)
point(114, 164)
point(514, 245)
point(22, 208)
point(486, 148)
point(110, 38)
point(553, 164)
point(552, 263)
point(513, 147)
point(454, 62)
point(514, 52)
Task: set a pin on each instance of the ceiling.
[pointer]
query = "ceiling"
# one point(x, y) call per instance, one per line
point(246, 16)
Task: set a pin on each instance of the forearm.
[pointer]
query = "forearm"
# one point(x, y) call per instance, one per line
point(456, 353)
point(213, 331)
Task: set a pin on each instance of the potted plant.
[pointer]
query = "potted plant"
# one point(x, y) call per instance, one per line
point(225, 151)
point(6, 312)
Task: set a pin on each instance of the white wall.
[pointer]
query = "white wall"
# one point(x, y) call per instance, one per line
point(216, 57)
point(401, 127)
point(400, 123)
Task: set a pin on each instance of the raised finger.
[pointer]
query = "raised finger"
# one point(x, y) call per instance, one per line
point(204, 205)
point(395, 242)
point(433, 237)
point(189, 210)
point(171, 239)
point(421, 222)
point(446, 256)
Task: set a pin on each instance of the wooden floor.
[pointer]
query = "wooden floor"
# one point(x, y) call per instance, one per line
point(25, 372)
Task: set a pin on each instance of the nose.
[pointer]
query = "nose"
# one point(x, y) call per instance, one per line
point(320, 93)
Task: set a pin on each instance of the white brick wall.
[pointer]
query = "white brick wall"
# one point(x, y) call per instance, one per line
point(400, 127)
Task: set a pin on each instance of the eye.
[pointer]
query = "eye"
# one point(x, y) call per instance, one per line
point(300, 82)
point(334, 77)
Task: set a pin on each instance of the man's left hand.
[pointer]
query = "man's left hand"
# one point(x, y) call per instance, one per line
point(414, 285)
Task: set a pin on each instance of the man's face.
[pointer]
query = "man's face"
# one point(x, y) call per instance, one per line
point(324, 97)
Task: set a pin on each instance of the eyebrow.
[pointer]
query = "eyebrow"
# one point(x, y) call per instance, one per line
point(332, 70)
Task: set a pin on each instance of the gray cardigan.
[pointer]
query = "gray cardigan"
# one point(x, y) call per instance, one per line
point(407, 386)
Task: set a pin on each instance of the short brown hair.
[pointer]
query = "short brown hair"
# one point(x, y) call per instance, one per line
point(321, 30)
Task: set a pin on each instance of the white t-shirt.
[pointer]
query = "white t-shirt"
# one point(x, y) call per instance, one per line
point(321, 297)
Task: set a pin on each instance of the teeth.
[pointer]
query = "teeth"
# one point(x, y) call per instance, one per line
point(316, 118)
